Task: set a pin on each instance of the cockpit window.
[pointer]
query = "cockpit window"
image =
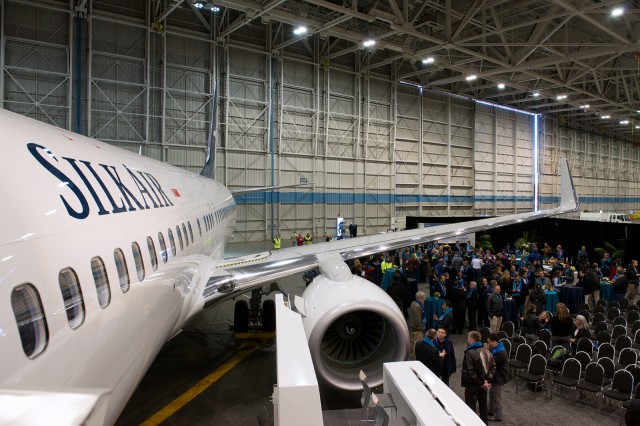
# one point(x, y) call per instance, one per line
point(72, 297)
point(199, 227)
point(123, 270)
point(152, 253)
point(32, 323)
point(137, 257)
point(101, 281)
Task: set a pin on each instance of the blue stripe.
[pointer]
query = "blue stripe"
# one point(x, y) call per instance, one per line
point(598, 200)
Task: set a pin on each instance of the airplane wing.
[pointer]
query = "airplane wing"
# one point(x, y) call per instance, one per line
point(238, 275)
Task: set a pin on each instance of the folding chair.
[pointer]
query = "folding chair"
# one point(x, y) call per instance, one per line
point(535, 373)
point(569, 377)
point(621, 387)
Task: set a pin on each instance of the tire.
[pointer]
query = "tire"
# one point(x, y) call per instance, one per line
point(268, 315)
point(241, 316)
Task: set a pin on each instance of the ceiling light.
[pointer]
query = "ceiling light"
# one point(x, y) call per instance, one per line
point(638, 111)
point(471, 77)
point(618, 11)
point(198, 4)
point(585, 106)
point(637, 127)
point(604, 117)
point(561, 97)
point(369, 42)
point(624, 121)
point(214, 9)
point(501, 86)
point(428, 60)
point(535, 94)
point(300, 29)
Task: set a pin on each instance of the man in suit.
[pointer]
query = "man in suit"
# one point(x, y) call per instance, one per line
point(427, 353)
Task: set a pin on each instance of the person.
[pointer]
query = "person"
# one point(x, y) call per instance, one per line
point(294, 239)
point(537, 297)
point(308, 239)
point(495, 308)
point(592, 279)
point(561, 327)
point(351, 232)
point(505, 283)
point(483, 295)
point(620, 284)
point(445, 347)
point(458, 296)
point(472, 305)
point(478, 369)
point(300, 239)
point(309, 276)
point(476, 264)
point(386, 264)
point(445, 320)
point(500, 378)
point(531, 324)
point(276, 242)
point(545, 282)
point(632, 416)
point(605, 265)
point(583, 255)
point(581, 332)
point(396, 289)
point(632, 280)
point(427, 353)
point(417, 321)
point(561, 254)
point(556, 280)
point(441, 285)
point(519, 289)
point(327, 238)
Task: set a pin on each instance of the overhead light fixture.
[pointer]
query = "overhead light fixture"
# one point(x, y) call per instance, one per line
point(535, 94)
point(624, 121)
point(201, 4)
point(561, 97)
point(214, 9)
point(585, 106)
point(637, 127)
point(300, 29)
point(369, 42)
point(604, 117)
point(198, 4)
point(428, 60)
point(501, 86)
point(618, 11)
point(471, 77)
point(638, 111)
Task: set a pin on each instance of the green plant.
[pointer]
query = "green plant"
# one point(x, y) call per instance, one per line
point(485, 241)
point(528, 238)
point(613, 251)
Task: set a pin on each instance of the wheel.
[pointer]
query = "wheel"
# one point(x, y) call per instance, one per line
point(268, 315)
point(241, 316)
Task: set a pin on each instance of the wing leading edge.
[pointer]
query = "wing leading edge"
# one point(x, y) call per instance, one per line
point(234, 276)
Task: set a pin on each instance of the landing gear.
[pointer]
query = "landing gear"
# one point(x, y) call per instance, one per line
point(256, 312)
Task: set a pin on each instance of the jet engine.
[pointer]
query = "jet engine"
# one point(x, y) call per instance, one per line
point(351, 325)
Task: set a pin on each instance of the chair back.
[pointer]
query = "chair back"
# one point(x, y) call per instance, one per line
point(606, 350)
point(613, 313)
point(627, 357)
point(585, 314)
point(603, 337)
point(618, 330)
point(635, 308)
point(635, 372)
point(523, 353)
point(600, 309)
point(632, 316)
point(583, 307)
point(584, 359)
point(624, 304)
point(537, 365)
point(585, 345)
point(623, 382)
point(635, 327)
point(636, 337)
point(382, 418)
point(594, 374)
point(502, 335)
point(620, 321)
point(614, 304)
point(608, 365)
point(599, 317)
point(601, 302)
point(622, 342)
point(539, 347)
point(507, 346)
point(508, 328)
point(545, 336)
point(571, 369)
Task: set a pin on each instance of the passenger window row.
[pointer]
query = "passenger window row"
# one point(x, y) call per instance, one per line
point(27, 304)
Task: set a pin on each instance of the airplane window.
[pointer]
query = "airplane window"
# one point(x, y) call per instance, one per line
point(152, 253)
point(102, 281)
point(190, 231)
point(172, 242)
point(32, 324)
point(137, 257)
point(186, 237)
point(199, 227)
point(72, 296)
point(123, 271)
point(179, 237)
point(163, 247)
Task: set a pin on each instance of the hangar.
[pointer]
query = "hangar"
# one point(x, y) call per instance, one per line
point(390, 109)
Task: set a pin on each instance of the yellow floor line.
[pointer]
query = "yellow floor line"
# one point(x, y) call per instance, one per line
point(196, 390)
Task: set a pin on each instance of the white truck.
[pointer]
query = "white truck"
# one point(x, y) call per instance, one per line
point(606, 217)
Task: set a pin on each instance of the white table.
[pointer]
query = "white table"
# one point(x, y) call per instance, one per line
point(419, 403)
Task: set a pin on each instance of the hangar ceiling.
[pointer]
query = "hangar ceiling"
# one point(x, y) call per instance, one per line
point(554, 57)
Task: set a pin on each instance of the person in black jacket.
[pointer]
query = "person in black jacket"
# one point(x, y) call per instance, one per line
point(593, 279)
point(502, 376)
point(483, 317)
point(620, 284)
point(458, 295)
point(472, 305)
point(633, 276)
point(427, 353)
point(581, 331)
point(445, 320)
point(632, 416)
point(478, 368)
point(531, 324)
point(396, 290)
point(495, 308)
point(445, 347)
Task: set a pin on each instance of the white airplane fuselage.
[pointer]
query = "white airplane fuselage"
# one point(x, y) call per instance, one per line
point(68, 199)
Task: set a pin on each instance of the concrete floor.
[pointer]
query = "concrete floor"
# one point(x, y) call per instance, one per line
point(238, 396)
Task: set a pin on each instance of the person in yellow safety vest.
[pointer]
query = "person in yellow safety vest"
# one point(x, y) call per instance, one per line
point(276, 242)
point(308, 239)
point(386, 264)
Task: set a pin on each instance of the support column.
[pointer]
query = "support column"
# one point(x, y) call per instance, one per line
point(420, 153)
point(448, 156)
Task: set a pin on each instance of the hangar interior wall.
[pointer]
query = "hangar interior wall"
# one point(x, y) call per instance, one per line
point(374, 149)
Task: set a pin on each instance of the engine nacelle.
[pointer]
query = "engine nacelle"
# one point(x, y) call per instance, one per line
point(351, 326)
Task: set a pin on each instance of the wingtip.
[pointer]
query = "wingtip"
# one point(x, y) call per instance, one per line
point(568, 195)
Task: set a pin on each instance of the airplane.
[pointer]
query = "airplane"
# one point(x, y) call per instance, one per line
point(105, 255)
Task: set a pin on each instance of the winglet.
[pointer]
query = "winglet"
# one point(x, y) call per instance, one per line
point(568, 195)
point(209, 168)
